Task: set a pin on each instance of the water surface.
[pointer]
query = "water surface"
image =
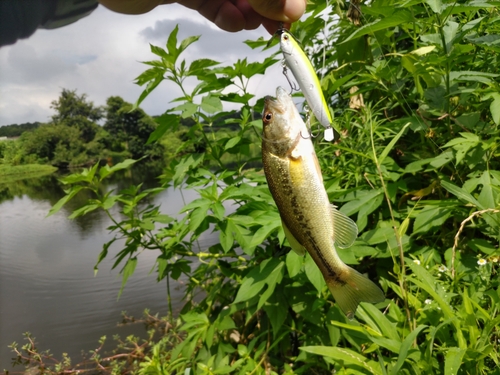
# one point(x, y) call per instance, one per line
point(47, 283)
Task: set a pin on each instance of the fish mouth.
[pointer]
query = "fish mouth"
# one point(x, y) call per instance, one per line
point(272, 105)
point(277, 104)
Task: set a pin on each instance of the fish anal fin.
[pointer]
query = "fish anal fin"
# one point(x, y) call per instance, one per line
point(345, 229)
point(296, 246)
point(352, 289)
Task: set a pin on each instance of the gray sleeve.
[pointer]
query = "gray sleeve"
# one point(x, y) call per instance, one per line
point(20, 18)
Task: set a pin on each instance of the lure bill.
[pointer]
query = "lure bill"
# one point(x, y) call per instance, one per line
point(299, 64)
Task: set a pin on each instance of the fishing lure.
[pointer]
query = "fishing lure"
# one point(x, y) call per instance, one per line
point(297, 61)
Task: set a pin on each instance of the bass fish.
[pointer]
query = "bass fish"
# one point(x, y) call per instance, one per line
point(310, 222)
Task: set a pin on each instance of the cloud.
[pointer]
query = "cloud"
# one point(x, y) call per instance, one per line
point(101, 55)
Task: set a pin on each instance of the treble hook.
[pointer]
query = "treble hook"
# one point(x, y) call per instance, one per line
point(293, 85)
point(308, 124)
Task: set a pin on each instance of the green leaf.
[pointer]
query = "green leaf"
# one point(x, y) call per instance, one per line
point(172, 43)
point(103, 254)
point(256, 280)
point(84, 210)
point(362, 197)
point(211, 104)
point(378, 321)
point(198, 66)
point(187, 42)
point(435, 5)
point(313, 273)
point(165, 122)
point(188, 109)
point(430, 217)
point(149, 88)
point(232, 142)
point(405, 346)
point(107, 170)
point(391, 144)
point(197, 216)
point(158, 51)
point(461, 194)
point(294, 263)
point(453, 360)
point(347, 356)
point(61, 202)
point(126, 272)
point(495, 108)
point(450, 32)
point(400, 16)
point(379, 235)
point(277, 311)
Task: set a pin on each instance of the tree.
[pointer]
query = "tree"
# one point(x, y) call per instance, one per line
point(76, 111)
point(57, 144)
point(129, 129)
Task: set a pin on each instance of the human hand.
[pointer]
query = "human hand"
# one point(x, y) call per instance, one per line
point(229, 15)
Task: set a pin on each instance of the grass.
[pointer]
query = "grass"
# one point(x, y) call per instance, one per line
point(9, 173)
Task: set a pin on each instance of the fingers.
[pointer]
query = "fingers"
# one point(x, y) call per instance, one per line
point(232, 16)
point(280, 10)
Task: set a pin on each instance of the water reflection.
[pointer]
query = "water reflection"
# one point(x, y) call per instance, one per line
point(47, 284)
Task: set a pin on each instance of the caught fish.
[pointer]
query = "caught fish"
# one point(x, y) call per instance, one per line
point(310, 222)
point(297, 61)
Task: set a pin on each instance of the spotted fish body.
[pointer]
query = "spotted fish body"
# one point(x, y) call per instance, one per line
point(310, 222)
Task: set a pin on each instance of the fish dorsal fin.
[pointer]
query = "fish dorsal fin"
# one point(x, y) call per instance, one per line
point(345, 230)
point(296, 246)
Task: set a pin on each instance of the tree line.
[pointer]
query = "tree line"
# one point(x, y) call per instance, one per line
point(75, 137)
point(15, 130)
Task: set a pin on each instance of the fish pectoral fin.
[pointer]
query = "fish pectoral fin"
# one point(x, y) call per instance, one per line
point(353, 288)
point(296, 246)
point(345, 230)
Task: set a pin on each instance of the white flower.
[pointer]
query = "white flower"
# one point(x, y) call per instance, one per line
point(428, 301)
point(482, 262)
point(416, 261)
point(442, 268)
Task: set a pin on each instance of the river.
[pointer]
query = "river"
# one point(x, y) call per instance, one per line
point(47, 283)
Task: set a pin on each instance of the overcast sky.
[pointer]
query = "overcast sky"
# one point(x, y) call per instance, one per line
point(100, 56)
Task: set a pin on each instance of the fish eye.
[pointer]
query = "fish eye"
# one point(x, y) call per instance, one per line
point(268, 117)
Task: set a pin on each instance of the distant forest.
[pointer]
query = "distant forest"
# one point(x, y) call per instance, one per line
point(15, 130)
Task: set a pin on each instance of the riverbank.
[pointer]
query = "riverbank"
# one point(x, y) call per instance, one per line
point(9, 173)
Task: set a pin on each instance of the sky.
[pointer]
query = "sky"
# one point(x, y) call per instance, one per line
point(100, 56)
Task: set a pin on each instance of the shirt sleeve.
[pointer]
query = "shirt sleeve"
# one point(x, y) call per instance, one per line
point(20, 19)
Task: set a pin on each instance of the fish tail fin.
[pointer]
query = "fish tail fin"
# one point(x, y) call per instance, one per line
point(353, 288)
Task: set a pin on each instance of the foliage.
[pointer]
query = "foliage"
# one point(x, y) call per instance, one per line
point(74, 138)
point(17, 172)
point(129, 354)
point(415, 92)
point(129, 129)
point(15, 130)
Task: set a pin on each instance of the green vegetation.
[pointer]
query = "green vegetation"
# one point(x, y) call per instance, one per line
point(415, 93)
point(9, 172)
point(74, 138)
point(15, 130)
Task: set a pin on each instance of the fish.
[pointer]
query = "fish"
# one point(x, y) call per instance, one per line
point(310, 222)
point(297, 61)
